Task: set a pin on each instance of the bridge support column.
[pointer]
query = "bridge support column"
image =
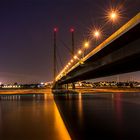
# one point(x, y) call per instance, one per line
point(57, 86)
point(73, 85)
point(66, 86)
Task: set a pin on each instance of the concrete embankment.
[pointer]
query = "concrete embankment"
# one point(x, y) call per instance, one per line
point(80, 90)
point(24, 91)
point(93, 90)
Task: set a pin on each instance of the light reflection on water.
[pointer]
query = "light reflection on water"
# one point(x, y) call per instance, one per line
point(31, 117)
point(114, 116)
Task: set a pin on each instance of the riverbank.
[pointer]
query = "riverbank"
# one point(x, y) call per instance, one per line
point(93, 90)
point(79, 90)
point(25, 91)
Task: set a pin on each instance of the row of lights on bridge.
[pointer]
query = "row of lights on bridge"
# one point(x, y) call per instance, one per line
point(112, 16)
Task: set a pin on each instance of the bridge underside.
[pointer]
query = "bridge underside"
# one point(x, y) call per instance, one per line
point(126, 65)
point(120, 56)
point(126, 59)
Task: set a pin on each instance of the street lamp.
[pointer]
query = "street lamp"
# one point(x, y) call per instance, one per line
point(75, 57)
point(113, 15)
point(79, 52)
point(86, 45)
point(96, 33)
point(71, 61)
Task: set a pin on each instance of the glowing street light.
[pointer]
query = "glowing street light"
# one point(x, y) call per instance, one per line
point(79, 52)
point(113, 15)
point(71, 61)
point(75, 57)
point(86, 44)
point(96, 34)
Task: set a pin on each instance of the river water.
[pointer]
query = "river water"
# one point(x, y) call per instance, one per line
point(31, 117)
point(87, 116)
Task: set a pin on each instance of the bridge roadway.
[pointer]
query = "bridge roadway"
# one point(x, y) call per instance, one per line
point(120, 53)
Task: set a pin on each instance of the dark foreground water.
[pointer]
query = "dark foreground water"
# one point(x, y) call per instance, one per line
point(96, 116)
point(114, 116)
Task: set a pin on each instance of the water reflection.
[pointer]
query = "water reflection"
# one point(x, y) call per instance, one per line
point(101, 115)
point(80, 108)
point(118, 106)
point(32, 116)
point(87, 116)
point(119, 113)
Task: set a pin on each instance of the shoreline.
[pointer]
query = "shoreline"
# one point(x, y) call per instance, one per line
point(108, 89)
point(24, 91)
point(79, 90)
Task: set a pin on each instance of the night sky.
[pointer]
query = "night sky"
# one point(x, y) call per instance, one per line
point(26, 33)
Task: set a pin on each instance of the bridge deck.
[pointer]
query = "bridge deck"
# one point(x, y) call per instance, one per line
point(118, 51)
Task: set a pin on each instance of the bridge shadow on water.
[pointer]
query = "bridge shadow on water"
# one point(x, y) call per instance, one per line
point(87, 116)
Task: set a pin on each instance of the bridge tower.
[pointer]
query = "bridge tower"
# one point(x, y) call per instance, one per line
point(54, 54)
point(72, 35)
point(73, 49)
